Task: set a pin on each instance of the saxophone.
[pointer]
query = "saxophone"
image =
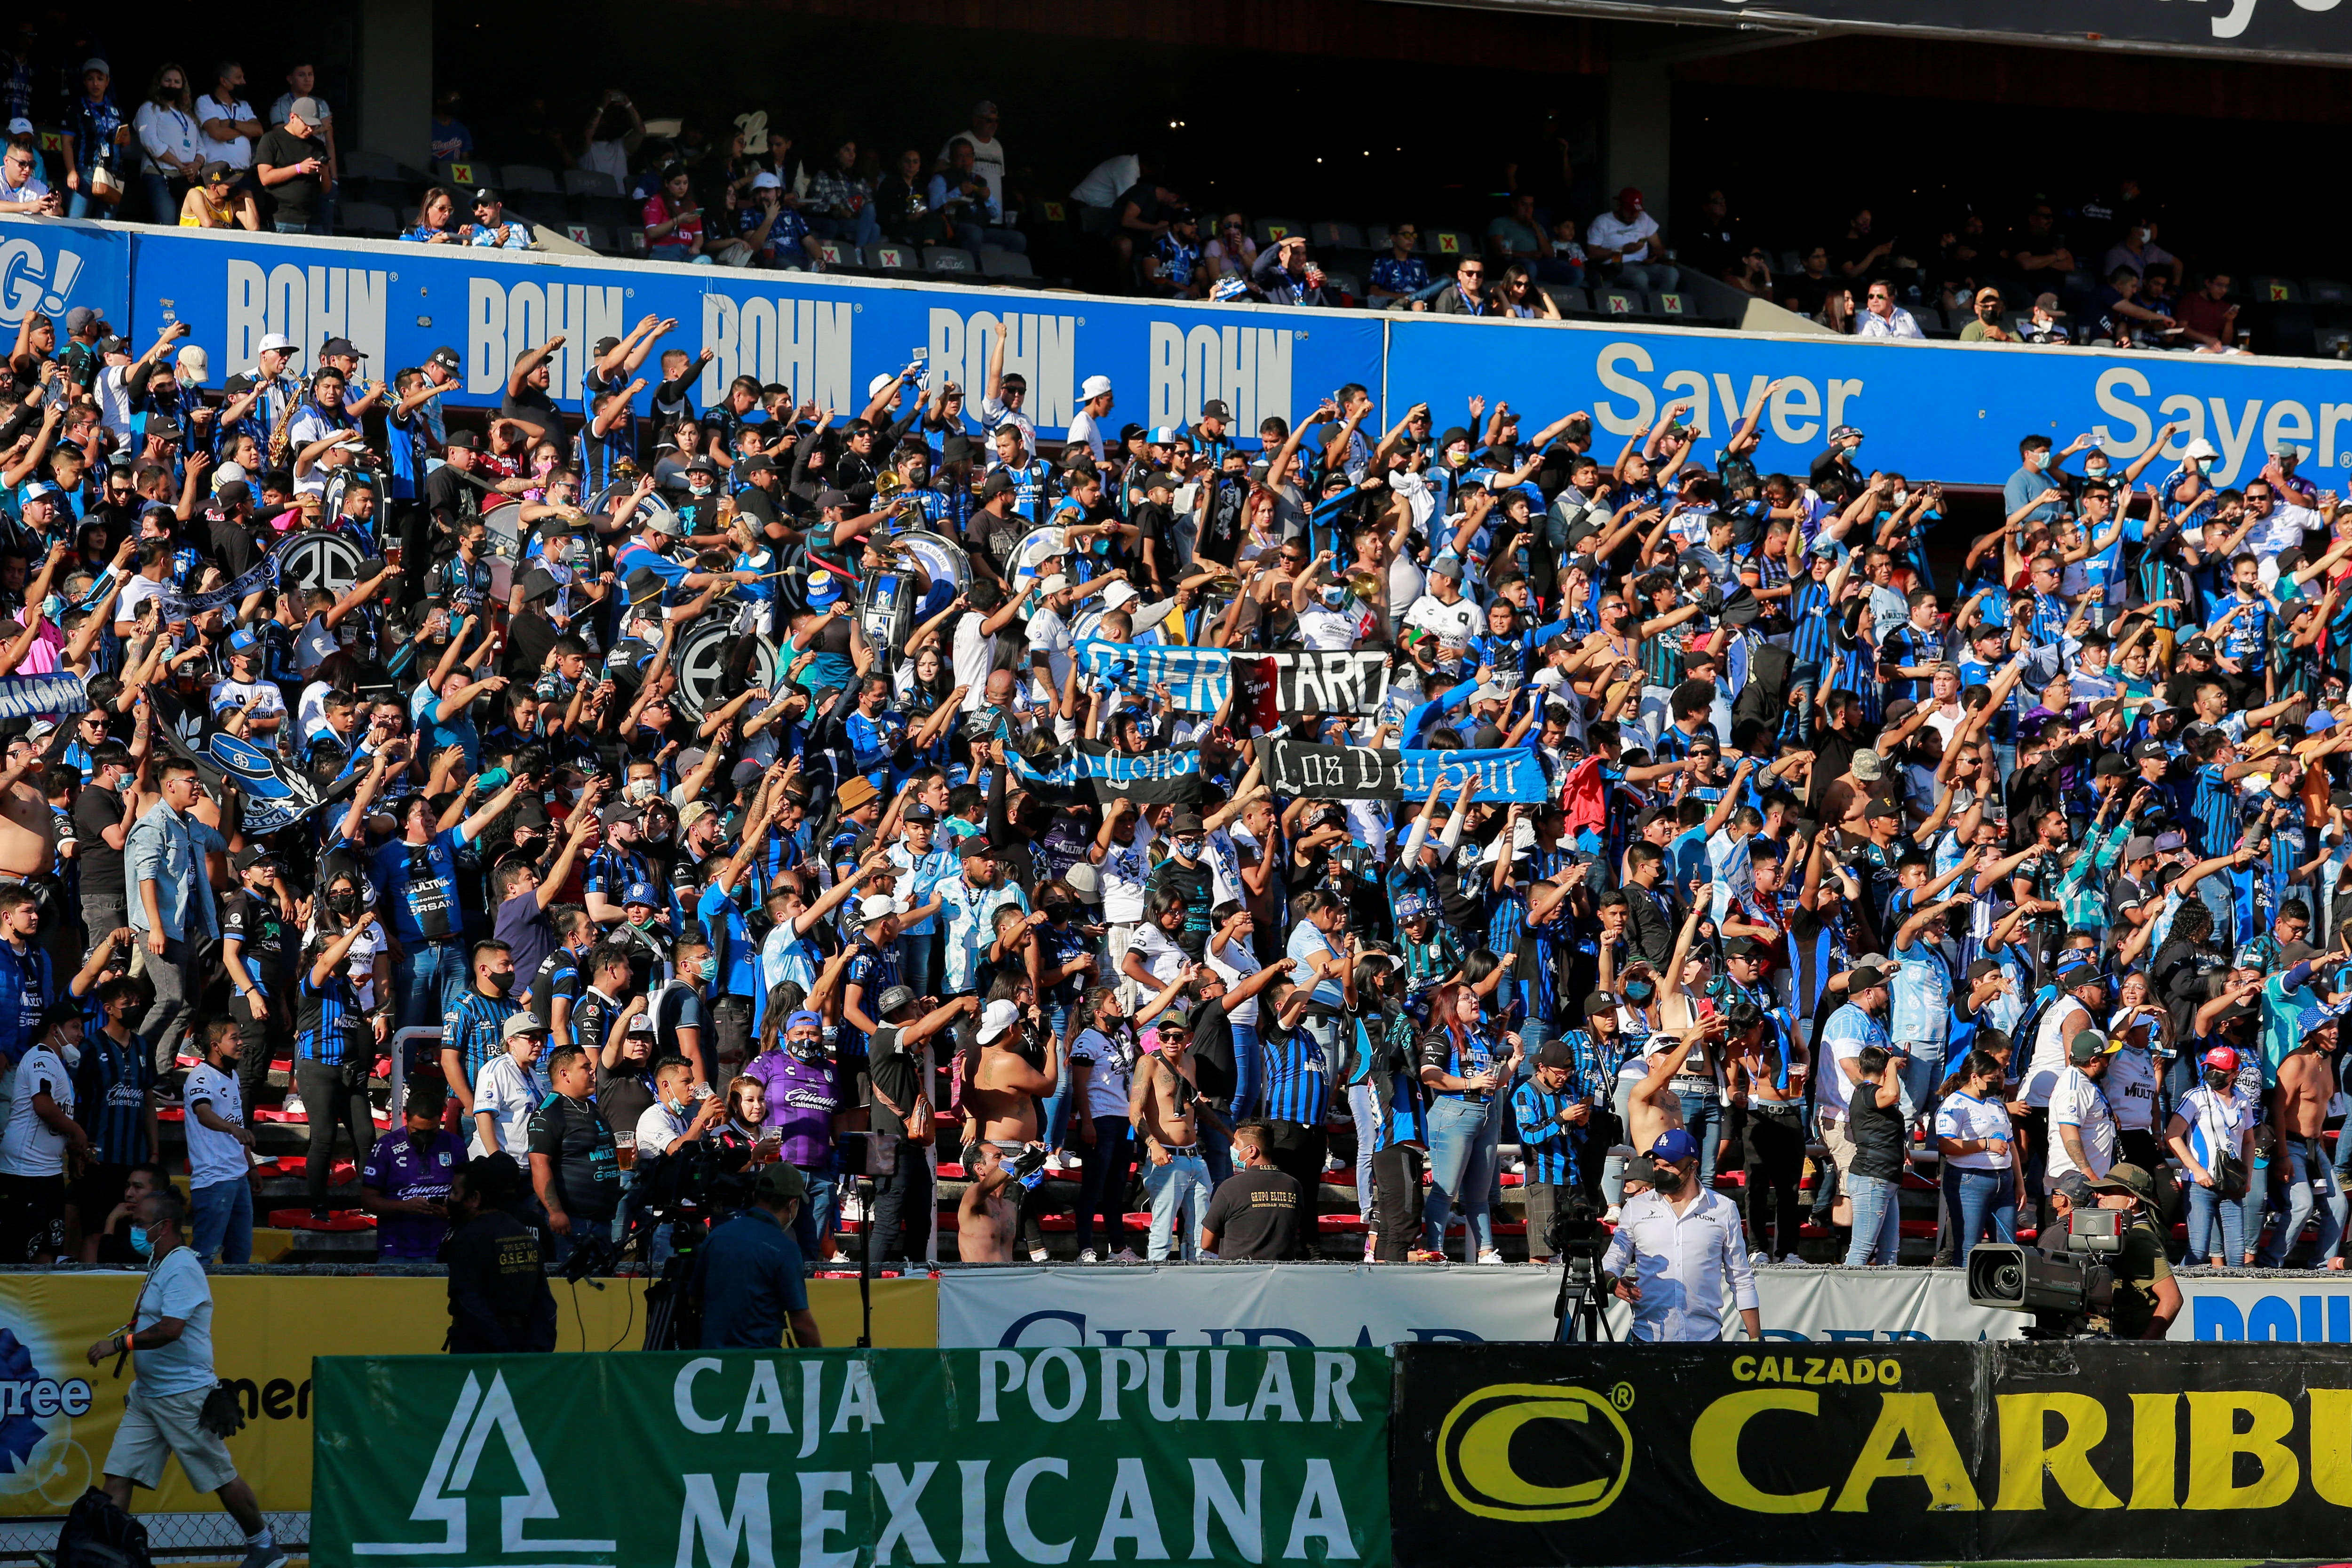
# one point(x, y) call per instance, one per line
point(278, 454)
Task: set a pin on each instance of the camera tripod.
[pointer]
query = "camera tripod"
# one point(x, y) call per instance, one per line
point(1581, 1310)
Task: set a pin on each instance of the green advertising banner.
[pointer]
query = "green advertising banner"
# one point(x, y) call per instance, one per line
point(852, 1458)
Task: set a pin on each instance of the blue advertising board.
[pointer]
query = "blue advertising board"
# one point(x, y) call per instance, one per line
point(51, 267)
point(824, 338)
point(1948, 411)
point(1953, 412)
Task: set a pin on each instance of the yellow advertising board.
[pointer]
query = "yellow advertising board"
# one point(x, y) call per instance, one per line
point(57, 1413)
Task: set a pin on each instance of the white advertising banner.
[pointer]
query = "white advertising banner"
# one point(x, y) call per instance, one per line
point(1379, 1304)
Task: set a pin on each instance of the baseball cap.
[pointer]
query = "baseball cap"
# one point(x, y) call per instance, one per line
point(1863, 978)
point(996, 1020)
point(875, 907)
point(523, 1023)
point(80, 318)
point(896, 998)
point(1843, 431)
point(2089, 1046)
point(1556, 1054)
point(1674, 1146)
point(307, 110)
point(695, 811)
point(446, 357)
point(253, 854)
point(1630, 195)
point(2140, 849)
point(2150, 751)
point(1445, 566)
point(278, 340)
point(486, 198)
point(343, 347)
point(243, 638)
point(640, 893)
point(1868, 766)
point(2222, 1058)
point(1094, 387)
point(823, 588)
point(780, 1180)
point(2077, 1188)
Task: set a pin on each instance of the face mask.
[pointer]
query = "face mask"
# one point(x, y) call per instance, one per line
point(1332, 595)
point(1902, 498)
point(1639, 991)
point(699, 492)
point(642, 789)
point(571, 796)
point(707, 970)
point(1189, 848)
point(658, 834)
point(502, 982)
point(344, 903)
point(1061, 914)
point(54, 606)
point(1666, 1180)
point(141, 1242)
point(2217, 1080)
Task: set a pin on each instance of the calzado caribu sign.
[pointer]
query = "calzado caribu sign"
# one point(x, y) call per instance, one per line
point(851, 1459)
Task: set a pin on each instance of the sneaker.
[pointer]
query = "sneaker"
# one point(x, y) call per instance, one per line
point(1490, 1255)
point(1125, 1255)
point(1333, 1162)
point(1758, 1258)
point(1422, 1255)
point(1039, 1255)
point(264, 1557)
point(1612, 1216)
point(293, 1106)
point(1087, 1255)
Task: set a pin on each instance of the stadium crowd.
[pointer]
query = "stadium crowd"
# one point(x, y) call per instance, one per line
point(1985, 861)
point(203, 150)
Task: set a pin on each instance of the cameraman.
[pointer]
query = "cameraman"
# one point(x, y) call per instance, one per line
point(2146, 1297)
point(498, 1298)
point(748, 1279)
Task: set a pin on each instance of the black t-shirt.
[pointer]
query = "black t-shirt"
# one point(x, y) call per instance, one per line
point(297, 198)
point(1213, 1050)
point(95, 810)
point(533, 408)
point(261, 929)
point(624, 1096)
point(1255, 1213)
point(578, 1142)
point(451, 498)
point(1146, 197)
point(898, 1074)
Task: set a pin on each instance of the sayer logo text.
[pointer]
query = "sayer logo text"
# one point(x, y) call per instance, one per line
point(30, 281)
point(478, 1418)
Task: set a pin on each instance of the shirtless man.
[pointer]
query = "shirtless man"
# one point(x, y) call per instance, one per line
point(1164, 1106)
point(1002, 1093)
point(989, 1209)
point(2305, 1083)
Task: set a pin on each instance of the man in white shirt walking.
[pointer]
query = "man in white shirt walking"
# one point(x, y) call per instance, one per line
point(171, 1343)
point(1673, 1247)
point(2082, 1124)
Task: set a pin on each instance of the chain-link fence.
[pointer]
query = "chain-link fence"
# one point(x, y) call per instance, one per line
point(211, 1536)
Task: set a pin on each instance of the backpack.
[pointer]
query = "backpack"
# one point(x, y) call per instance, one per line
point(99, 1536)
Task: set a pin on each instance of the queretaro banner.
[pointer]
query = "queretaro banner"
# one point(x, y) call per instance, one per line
point(1197, 679)
point(1345, 681)
point(1148, 780)
point(1952, 410)
point(833, 1459)
point(1724, 1453)
point(824, 337)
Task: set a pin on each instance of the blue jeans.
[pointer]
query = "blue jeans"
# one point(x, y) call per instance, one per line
point(1057, 1104)
point(224, 1221)
point(2312, 1179)
point(1877, 1220)
point(1650, 277)
point(1179, 1187)
point(863, 229)
point(298, 228)
point(163, 208)
point(1979, 1201)
point(1923, 1072)
point(423, 980)
point(916, 951)
point(1702, 1116)
point(2207, 1210)
point(816, 1219)
point(1367, 1114)
point(1461, 1170)
point(1246, 1093)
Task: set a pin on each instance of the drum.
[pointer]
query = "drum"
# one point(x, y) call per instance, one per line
point(505, 522)
point(945, 561)
point(1035, 550)
point(322, 559)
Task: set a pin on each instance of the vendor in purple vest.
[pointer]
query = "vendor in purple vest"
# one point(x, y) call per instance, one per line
point(803, 1084)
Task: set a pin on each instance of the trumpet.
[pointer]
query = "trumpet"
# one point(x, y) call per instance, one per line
point(888, 485)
